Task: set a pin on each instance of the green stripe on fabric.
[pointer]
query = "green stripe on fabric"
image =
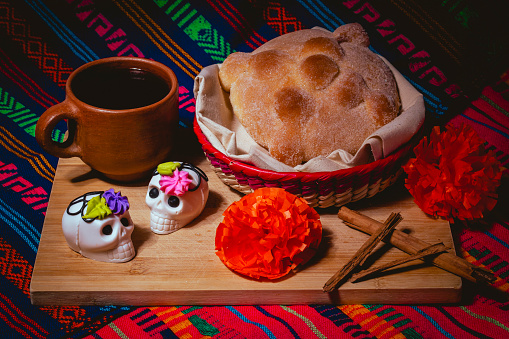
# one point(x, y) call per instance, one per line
point(410, 333)
point(199, 29)
point(485, 318)
point(118, 331)
point(20, 114)
point(392, 317)
point(203, 326)
point(401, 323)
point(308, 322)
point(489, 101)
point(13, 115)
point(491, 260)
point(186, 19)
point(180, 11)
point(498, 267)
point(26, 117)
point(504, 275)
point(383, 312)
point(190, 309)
point(172, 6)
point(477, 254)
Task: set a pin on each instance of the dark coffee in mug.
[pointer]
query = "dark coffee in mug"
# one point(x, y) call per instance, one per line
point(122, 115)
point(119, 88)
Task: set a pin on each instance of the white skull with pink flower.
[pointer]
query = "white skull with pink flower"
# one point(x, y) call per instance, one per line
point(176, 195)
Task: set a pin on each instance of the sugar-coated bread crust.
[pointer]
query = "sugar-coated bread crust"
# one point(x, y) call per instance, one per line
point(310, 92)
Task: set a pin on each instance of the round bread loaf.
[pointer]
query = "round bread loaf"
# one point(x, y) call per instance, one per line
point(307, 93)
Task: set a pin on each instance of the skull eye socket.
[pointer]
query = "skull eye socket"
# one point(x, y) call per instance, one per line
point(124, 221)
point(107, 230)
point(173, 201)
point(153, 193)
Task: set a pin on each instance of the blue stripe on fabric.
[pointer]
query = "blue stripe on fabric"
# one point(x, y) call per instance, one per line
point(486, 125)
point(27, 226)
point(422, 89)
point(243, 318)
point(497, 239)
point(433, 322)
point(315, 15)
point(31, 228)
point(337, 23)
point(79, 48)
point(310, 10)
point(74, 39)
point(282, 321)
point(14, 222)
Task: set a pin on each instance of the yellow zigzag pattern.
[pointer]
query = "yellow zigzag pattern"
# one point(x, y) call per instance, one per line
point(37, 160)
point(157, 35)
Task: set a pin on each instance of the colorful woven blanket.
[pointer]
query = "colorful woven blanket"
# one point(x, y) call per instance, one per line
point(454, 52)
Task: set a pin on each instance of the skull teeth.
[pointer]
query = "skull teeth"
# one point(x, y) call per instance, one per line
point(124, 252)
point(161, 225)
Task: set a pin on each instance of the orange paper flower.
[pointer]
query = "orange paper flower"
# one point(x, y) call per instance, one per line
point(268, 233)
point(453, 176)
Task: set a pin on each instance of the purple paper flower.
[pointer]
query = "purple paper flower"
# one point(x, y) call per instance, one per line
point(117, 203)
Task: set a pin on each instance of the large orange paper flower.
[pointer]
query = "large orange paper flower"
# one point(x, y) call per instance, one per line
point(453, 176)
point(268, 233)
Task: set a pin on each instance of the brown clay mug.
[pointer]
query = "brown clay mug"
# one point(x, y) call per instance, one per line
point(122, 116)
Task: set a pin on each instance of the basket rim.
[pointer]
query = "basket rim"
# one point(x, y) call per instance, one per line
point(269, 175)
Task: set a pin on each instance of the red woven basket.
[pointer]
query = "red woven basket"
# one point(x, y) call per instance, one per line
point(319, 189)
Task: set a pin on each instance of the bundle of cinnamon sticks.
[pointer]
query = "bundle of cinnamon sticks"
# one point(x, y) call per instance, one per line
point(419, 250)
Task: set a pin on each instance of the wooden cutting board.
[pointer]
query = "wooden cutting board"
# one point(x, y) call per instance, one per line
point(182, 268)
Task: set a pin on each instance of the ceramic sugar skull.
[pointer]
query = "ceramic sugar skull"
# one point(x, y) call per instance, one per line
point(98, 226)
point(177, 194)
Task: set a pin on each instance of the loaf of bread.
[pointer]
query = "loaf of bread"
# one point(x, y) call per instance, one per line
point(307, 93)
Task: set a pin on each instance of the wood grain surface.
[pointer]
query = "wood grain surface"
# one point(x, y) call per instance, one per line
point(182, 268)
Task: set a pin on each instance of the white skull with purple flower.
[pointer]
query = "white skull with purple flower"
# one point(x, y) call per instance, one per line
point(98, 226)
point(176, 195)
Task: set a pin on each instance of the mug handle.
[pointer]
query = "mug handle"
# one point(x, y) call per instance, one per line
point(46, 124)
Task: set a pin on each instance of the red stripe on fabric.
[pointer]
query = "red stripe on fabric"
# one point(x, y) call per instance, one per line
point(239, 15)
point(29, 93)
point(29, 320)
point(16, 322)
point(8, 322)
point(239, 30)
point(50, 101)
point(492, 116)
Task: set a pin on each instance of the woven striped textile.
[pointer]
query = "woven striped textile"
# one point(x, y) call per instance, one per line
point(454, 52)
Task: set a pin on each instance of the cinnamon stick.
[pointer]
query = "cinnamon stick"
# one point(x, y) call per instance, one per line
point(411, 245)
point(421, 254)
point(363, 252)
